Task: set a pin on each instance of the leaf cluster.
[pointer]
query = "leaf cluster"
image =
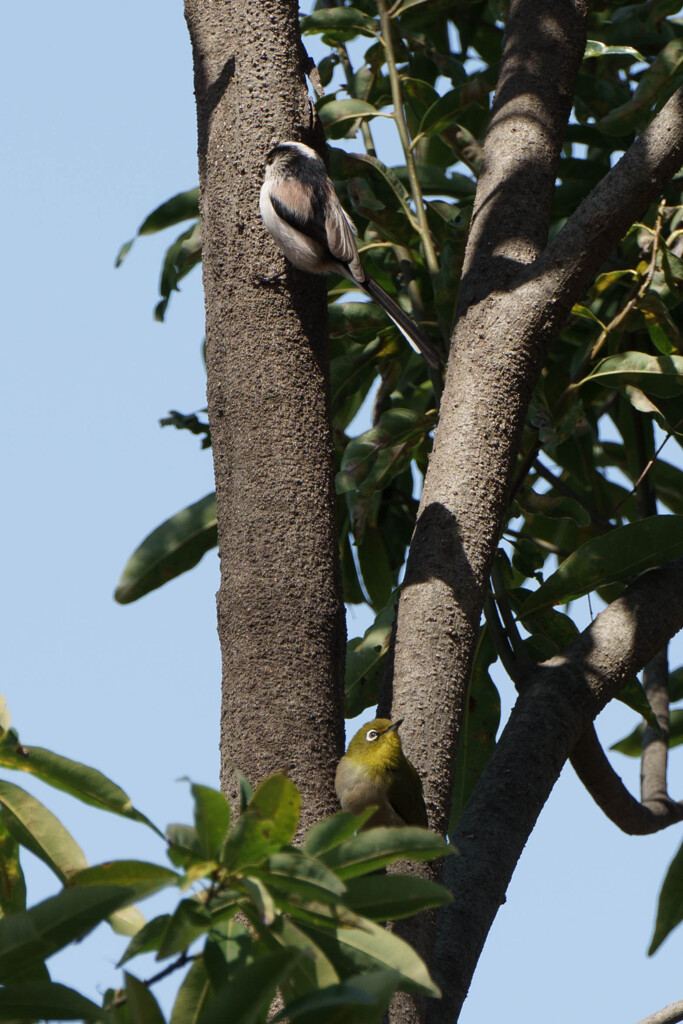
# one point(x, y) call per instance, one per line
point(254, 913)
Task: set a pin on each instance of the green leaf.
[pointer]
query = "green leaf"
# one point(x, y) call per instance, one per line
point(173, 548)
point(634, 697)
point(142, 878)
point(212, 819)
point(632, 745)
point(655, 83)
point(79, 780)
point(373, 459)
point(441, 114)
point(329, 832)
point(335, 20)
point(142, 1005)
point(147, 939)
point(194, 995)
point(343, 1003)
point(617, 555)
point(261, 899)
point(389, 897)
point(676, 685)
point(29, 937)
point(369, 946)
point(365, 662)
point(594, 48)
point(268, 824)
point(250, 990)
point(189, 920)
point(45, 1000)
point(40, 831)
point(184, 254)
point(372, 850)
point(180, 207)
point(664, 333)
point(379, 579)
point(553, 507)
point(313, 971)
point(670, 908)
point(303, 875)
point(339, 112)
point(12, 884)
point(657, 375)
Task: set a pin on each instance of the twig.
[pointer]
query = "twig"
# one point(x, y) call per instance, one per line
point(649, 465)
point(402, 128)
point(523, 661)
point(121, 999)
point(656, 743)
point(500, 639)
point(351, 89)
point(545, 545)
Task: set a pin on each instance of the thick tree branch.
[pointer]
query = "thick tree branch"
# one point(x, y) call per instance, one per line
point(280, 612)
point(561, 697)
point(543, 48)
point(671, 1014)
point(465, 488)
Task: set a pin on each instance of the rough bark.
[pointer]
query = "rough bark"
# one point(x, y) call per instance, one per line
point(280, 611)
point(559, 700)
point(491, 373)
point(515, 297)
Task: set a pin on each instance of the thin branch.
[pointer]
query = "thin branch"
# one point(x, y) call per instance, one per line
point(500, 639)
point(653, 785)
point(399, 118)
point(365, 130)
point(671, 1014)
point(544, 545)
point(524, 662)
point(649, 465)
point(593, 768)
point(121, 998)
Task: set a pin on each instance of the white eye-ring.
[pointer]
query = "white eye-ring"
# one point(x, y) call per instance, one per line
point(371, 735)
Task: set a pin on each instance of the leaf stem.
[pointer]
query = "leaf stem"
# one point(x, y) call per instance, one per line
point(402, 128)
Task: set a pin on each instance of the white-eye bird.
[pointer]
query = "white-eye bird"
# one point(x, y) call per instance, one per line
point(303, 214)
point(374, 770)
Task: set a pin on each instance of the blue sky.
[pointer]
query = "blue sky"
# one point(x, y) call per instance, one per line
point(98, 127)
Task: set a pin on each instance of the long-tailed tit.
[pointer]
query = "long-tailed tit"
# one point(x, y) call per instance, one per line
point(303, 214)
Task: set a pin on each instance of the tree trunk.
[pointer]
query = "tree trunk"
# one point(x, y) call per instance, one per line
point(280, 611)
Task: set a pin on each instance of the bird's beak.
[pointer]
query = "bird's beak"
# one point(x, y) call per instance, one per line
point(394, 726)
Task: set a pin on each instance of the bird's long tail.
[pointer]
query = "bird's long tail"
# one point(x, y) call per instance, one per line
point(406, 326)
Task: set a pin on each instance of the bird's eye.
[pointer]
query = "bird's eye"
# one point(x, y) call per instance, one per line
point(371, 735)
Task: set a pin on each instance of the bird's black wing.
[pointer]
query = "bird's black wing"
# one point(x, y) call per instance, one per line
point(310, 223)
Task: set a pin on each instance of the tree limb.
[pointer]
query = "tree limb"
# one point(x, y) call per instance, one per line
point(561, 697)
point(593, 768)
point(671, 1014)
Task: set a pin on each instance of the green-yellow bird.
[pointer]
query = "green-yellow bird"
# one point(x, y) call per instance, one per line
point(374, 770)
